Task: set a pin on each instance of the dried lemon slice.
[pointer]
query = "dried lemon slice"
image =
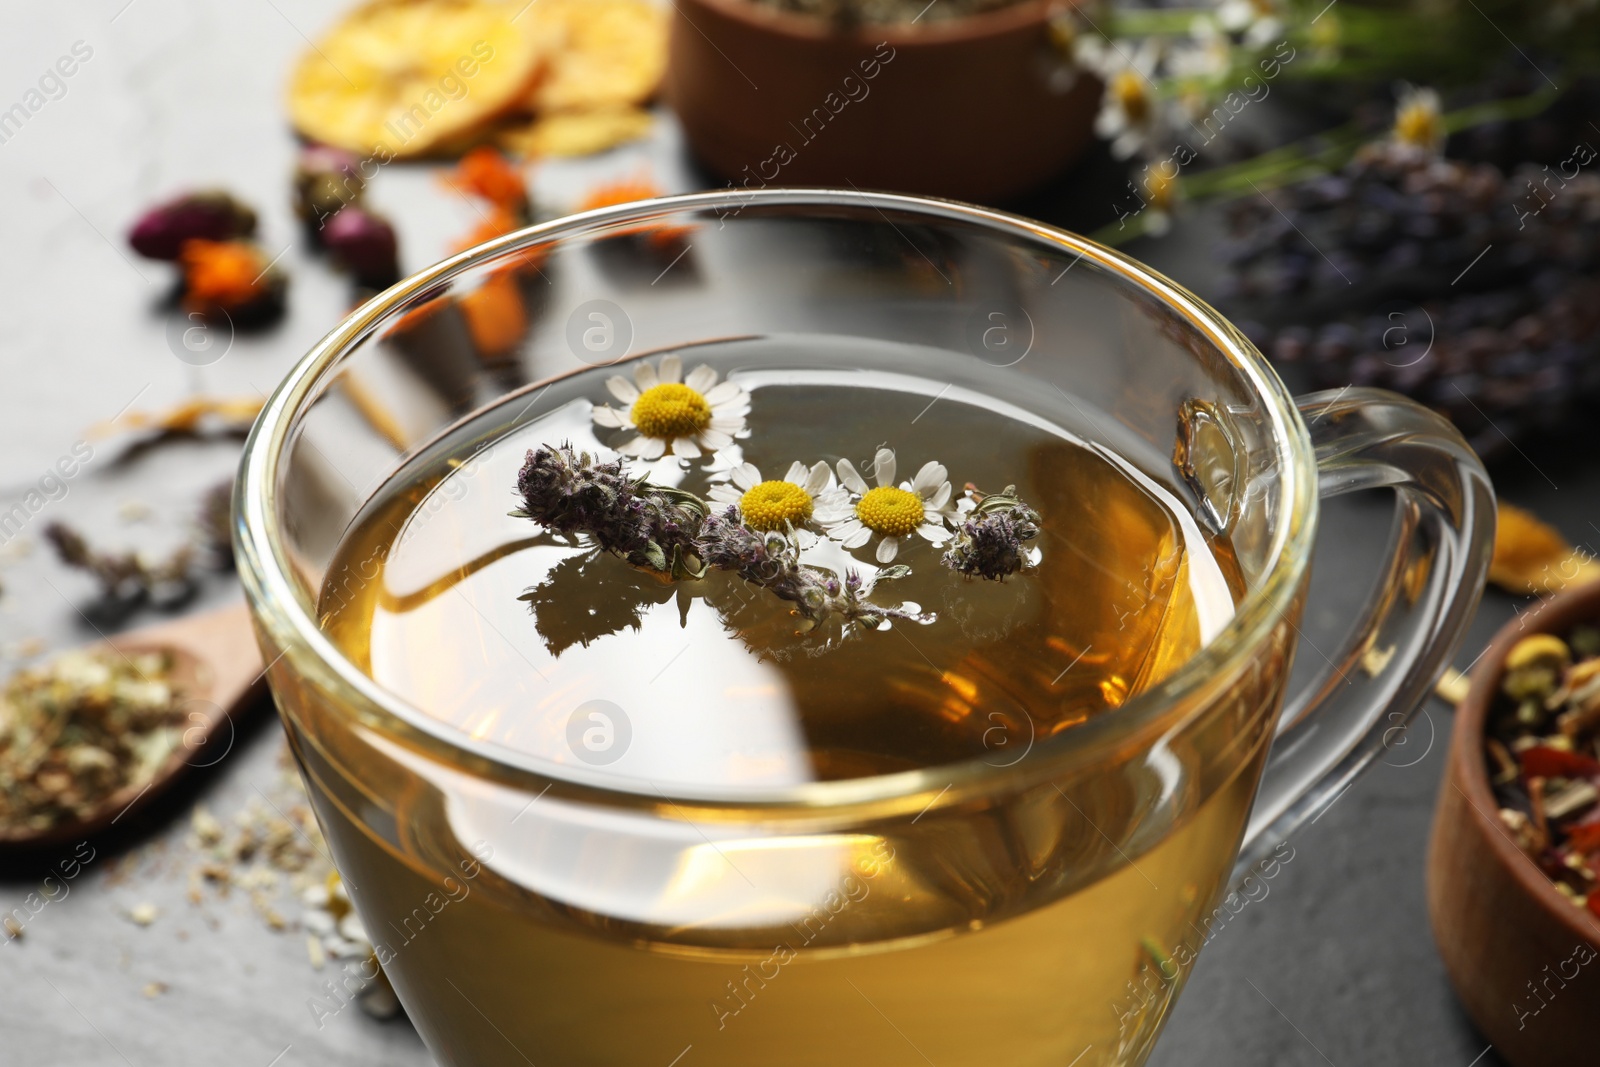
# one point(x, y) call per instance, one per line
point(402, 77)
point(611, 53)
point(577, 133)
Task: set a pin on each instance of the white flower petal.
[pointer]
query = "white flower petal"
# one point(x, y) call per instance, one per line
point(832, 514)
point(887, 549)
point(848, 475)
point(723, 493)
point(850, 525)
point(940, 498)
point(883, 466)
point(746, 476)
point(720, 394)
point(636, 446)
point(714, 438)
point(644, 376)
point(701, 379)
point(858, 538)
point(671, 368)
point(731, 409)
point(928, 478)
point(685, 447)
point(817, 478)
point(796, 473)
point(652, 448)
point(937, 534)
point(622, 389)
point(605, 415)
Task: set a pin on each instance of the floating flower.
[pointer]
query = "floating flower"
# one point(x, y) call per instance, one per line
point(891, 512)
point(690, 416)
point(778, 503)
point(991, 540)
point(1418, 123)
point(1129, 110)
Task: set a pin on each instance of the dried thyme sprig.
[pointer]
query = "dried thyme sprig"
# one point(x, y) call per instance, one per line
point(573, 493)
point(991, 542)
point(772, 560)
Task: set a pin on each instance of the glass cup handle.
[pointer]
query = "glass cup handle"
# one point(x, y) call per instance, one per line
point(1407, 631)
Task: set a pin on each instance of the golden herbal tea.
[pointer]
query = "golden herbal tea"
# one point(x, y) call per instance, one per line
point(732, 569)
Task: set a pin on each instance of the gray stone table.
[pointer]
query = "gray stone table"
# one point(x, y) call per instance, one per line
point(1335, 966)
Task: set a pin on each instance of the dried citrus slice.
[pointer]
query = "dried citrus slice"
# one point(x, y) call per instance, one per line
point(403, 77)
point(611, 53)
point(577, 133)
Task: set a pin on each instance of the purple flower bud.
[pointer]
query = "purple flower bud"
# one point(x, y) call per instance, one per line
point(364, 244)
point(325, 180)
point(212, 216)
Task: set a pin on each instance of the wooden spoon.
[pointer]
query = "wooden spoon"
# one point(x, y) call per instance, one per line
point(218, 673)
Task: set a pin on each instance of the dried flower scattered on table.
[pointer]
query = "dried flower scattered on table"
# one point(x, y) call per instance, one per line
point(162, 231)
point(660, 236)
point(485, 173)
point(325, 180)
point(234, 278)
point(364, 244)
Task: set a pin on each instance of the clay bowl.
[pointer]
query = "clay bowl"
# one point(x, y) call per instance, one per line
point(976, 108)
point(1523, 959)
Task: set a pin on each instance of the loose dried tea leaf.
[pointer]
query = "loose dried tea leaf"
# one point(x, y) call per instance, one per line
point(1531, 556)
point(80, 728)
point(1541, 752)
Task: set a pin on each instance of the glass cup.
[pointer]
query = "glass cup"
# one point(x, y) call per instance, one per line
point(1040, 905)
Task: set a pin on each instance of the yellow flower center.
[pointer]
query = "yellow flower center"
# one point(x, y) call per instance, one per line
point(890, 512)
point(770, 505)
point(1418, 124)
point(1127, 88)
point(671, 410)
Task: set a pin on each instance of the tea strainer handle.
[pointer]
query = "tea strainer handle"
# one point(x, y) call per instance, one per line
point(1404, 636)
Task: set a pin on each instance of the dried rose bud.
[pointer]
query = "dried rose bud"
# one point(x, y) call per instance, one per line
point(325, 180)
point(207, 216)
point(364, 244)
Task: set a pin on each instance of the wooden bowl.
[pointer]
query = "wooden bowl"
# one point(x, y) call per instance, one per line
point(1523, 959)
point(972, 109)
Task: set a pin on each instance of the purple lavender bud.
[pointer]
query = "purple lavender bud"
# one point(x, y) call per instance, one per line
point(364, 244)
point(162, 231)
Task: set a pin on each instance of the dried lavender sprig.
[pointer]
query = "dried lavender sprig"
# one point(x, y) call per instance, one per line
point(573, 493)
point(772, 561)
point(991, 542)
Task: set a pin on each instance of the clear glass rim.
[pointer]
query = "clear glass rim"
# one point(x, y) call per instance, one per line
point(267, 572)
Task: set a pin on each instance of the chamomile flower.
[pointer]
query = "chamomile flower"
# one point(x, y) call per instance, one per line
point(691, 416)
point(887, 511)
point(1418, 123)
point(1129, 110)
point(774, 504)
point(1260, 21)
